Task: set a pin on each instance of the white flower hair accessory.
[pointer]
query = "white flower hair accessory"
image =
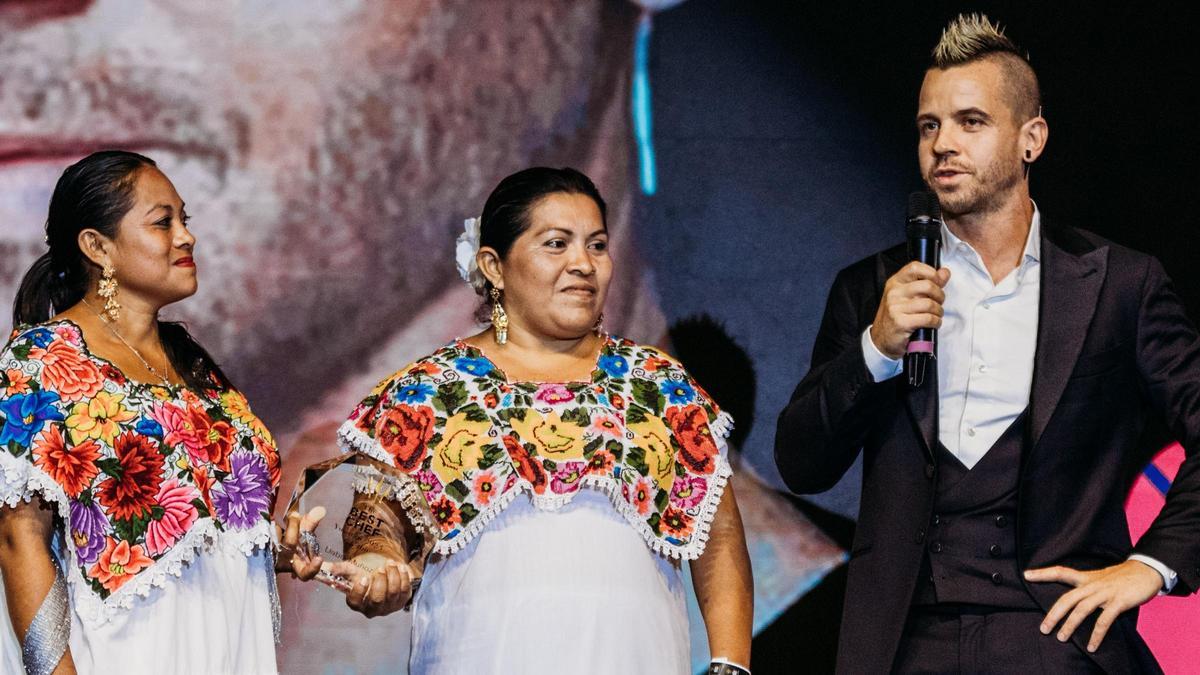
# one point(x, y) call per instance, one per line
point(465, 249)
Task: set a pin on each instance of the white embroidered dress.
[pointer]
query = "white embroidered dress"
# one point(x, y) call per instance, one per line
point(561, 512)
point(163, 495)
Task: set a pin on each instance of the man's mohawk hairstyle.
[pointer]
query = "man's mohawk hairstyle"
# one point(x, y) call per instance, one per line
point(969, 37)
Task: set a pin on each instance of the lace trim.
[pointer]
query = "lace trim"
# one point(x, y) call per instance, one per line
point(20, 481)
point(356, 440)
point(401, 487)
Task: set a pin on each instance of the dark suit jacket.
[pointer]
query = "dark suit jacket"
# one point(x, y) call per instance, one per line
point(1114, 348)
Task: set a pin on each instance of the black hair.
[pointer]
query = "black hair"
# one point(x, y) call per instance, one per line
point(719, 364)
point(506, 214)
point(95, 193)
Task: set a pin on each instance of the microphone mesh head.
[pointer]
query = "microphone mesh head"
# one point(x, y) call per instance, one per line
point(924, 204)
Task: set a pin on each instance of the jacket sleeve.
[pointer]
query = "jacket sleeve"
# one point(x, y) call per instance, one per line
point(1168, 359)
point(822, 429)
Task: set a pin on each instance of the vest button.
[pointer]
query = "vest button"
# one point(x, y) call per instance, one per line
point(994, 550)
point(937, 520)
point(936, 547)
point(920, 536)
point(929, 470)
point(1001, 521)
point(997, 579)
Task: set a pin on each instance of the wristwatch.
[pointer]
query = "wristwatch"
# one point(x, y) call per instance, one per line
point(725, 667)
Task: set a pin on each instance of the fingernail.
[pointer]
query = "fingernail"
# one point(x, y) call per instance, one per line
point(1045, 629)
point(1028, 575)
point(1062, 637)
point(1092, 648)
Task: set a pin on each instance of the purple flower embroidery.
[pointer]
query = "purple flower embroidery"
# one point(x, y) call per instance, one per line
point(688, 491)
point(554, 394)
point(429, 484)
point(242, 498)
point(566, 479)
point(89, 527)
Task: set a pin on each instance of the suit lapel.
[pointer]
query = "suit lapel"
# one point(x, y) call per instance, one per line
point(922, 405)
point(1071, 280)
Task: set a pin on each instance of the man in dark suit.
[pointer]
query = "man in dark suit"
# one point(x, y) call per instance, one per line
point(991, 534)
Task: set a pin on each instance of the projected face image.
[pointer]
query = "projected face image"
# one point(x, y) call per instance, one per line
point(328, 151)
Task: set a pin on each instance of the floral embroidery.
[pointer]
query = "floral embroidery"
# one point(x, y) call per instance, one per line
point(118, 563)
point(133, 467)
point(245, 496)
point(640, 430)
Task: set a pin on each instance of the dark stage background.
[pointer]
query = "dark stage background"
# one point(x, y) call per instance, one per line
point(787, 145)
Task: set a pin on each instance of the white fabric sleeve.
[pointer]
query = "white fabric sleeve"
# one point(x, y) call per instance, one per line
point(881, 367)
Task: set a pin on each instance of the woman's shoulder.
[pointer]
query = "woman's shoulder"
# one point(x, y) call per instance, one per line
point(29, 347)
point(42, 334)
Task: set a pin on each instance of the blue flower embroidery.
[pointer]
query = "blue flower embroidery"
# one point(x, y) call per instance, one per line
point(678, 391)
point(26, 414)
point(415, 393)
point(40, 336)
point(148, 427)
point(474, 366)
point(615, 366)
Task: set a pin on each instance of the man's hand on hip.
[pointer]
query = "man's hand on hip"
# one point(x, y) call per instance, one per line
point(1112, 589)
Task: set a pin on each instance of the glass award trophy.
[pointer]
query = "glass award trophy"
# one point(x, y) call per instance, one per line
point(370, 508)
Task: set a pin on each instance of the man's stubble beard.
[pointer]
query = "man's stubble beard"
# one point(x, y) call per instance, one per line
point(988, 192)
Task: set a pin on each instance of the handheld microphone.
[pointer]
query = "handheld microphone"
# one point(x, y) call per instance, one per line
point(924, 233)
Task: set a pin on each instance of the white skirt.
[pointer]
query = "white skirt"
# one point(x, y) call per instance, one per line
point(214, 619)
point(572, 591)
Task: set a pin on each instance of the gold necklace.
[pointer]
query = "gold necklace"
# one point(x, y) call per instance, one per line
point(149, 368)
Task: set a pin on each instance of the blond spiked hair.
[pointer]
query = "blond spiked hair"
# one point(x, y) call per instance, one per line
point(973, 37)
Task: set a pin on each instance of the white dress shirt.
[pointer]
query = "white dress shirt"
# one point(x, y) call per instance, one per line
point(986, 347)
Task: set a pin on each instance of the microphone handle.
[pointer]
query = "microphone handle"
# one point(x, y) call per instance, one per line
point(922, 346)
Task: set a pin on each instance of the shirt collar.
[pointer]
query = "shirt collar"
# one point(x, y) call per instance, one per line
point(1033, 242)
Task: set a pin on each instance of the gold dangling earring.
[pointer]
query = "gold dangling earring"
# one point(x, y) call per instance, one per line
point(598, 327)
point(108, 291)
point(499, 318)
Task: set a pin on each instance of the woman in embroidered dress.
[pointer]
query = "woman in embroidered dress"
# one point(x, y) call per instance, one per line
point(563, 474)
point(135, 482)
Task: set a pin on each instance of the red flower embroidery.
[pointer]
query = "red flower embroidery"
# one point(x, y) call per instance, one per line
point(67, 370)
point(601, 462)
point(133, 493)
point(446, 513)
point(221, 439)
point(690, 425)
point(72, 468)
point(526, 465)
point(404, 432)
point(113, 374)
point(271, 454)
point(204, 483)
point(491, 400)
point(118, 563)
point(676, 523)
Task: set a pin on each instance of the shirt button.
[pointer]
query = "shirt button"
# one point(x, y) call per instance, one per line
point(971, 432)
point(930, 470)
point(997, 579)
point(936, 547)
point(937, 520)
point(1001, 521)
point(982, 368)
point(987, 305)
point(995, 550)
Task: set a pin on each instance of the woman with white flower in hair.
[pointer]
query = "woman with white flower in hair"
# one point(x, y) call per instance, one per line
point(562, 474)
